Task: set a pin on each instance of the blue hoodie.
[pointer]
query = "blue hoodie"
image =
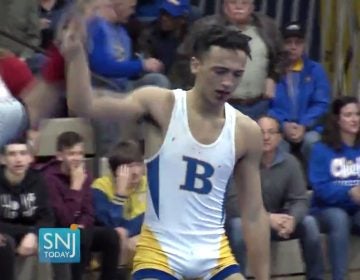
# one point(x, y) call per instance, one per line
point(332, 174)
point(313, 97)
point(110, 52)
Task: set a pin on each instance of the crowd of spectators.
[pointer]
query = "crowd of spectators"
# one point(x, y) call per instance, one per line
point(310, 142)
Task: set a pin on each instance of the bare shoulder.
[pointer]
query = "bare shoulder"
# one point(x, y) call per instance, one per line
point(248, 136)
point(151, 96)
point(158, 102)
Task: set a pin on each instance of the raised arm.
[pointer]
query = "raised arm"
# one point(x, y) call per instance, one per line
point(81, 99)
point(253, 216)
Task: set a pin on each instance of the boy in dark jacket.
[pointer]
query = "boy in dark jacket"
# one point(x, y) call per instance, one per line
point(23, 206)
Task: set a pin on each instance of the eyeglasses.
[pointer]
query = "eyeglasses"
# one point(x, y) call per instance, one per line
point(270, 132)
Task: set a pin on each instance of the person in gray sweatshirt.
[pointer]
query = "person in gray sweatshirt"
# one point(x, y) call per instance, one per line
point(286, 201)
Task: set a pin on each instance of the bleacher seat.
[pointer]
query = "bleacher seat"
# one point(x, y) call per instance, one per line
point(50, 129)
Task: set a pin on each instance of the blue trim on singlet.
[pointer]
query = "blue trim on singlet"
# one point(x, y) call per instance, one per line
point(153, 182)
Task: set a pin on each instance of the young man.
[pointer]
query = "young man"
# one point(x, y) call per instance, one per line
point(257, 86)
point(23, 207)
point(285, 199)
point(71, 199)
point(193, 142)
point(119, 198)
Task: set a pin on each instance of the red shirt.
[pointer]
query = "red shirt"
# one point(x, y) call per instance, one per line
point(54, 68)
point(15, 73)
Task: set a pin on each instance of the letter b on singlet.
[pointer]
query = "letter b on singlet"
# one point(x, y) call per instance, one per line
point(197, 176)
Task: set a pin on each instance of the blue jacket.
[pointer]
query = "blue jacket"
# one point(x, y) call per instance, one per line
point(110, 52)
point(313, 98)
point(115, 211)
point(332, 174)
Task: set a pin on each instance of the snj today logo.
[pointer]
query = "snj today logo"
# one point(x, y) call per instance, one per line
point(59, 245)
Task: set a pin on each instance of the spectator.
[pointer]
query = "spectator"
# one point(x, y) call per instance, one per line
point(12, 115)
point(23, 209)
point(302, 95)
point(149, 10)
point(50, 12)
point(15, 73)
point(285, 199)
point(20, 19)
point(119, 198)
point(50, 83)
point(262, 71)
point(71, 199)
point(162, 38)
point(334, 173)
point(111, 55)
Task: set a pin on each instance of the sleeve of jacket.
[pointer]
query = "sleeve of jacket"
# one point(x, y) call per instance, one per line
point(102, 61)
point(65, 205)
point(86, 217)
point(134, 225)
point(296, 198)
point(276, 108)
point(325, 189)
point(109, 213)
point(32, 27)
point(45, 213)
point(320, 97)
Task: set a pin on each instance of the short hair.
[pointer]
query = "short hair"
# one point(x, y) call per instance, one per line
point(125, 152)
point(331, 133)
point(20, 140)
point(271, 118)
point(220, 35)
point(67, 140)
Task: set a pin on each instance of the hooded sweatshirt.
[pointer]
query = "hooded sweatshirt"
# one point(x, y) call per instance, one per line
point(332, 175)
point(117, 211)
point(70, 206)
point(24, 207)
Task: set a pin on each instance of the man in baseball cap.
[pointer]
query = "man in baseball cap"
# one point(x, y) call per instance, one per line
point(294, 29)
point(302, 95)
point(176, 8)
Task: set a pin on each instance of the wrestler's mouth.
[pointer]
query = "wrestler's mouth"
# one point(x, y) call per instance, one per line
point(222, 94)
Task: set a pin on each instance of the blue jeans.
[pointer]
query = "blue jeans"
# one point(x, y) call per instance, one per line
point(254, 111)
point(307, 232)
point(337, 224)
point(310, 138)
point(150, 79)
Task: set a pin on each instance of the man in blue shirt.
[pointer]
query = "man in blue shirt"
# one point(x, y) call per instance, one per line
point(302, 95)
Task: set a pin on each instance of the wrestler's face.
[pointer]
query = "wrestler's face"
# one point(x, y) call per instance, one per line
point(218, 73)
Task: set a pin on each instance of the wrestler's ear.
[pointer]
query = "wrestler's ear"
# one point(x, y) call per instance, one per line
point(194, 65)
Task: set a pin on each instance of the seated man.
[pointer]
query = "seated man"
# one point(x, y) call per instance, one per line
point(111, 53)
point(23, 210)
point(302, 96)
point(162, 37)
point(71, 199)
point(285, 199)
point(119, 198)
